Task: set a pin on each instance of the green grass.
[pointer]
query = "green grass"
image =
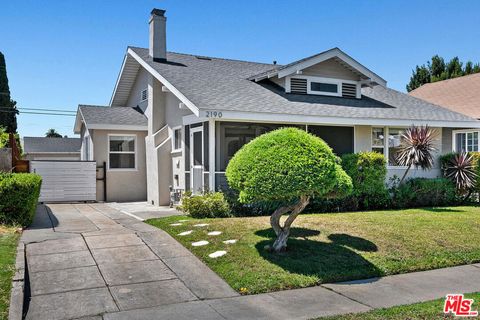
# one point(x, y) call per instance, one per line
point(334, 247)
point(8, 248)
point(418, 311)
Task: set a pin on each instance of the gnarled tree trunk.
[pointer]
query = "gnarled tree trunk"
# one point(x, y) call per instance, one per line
point(283, 232)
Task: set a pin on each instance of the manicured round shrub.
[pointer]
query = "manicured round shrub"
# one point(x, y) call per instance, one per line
point(207, 205)
point(288, 165)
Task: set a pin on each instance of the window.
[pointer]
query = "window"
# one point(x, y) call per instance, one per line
point(121, 151)
point(394, 142)
point(144, 95)
point(323, 87)
point(177, 139)
point(378, 140)
point(465, 141)
point(387, 141)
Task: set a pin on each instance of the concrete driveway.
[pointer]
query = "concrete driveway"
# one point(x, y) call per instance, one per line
point(93, 260)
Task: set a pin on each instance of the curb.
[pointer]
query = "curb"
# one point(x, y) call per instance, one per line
point(18, 285)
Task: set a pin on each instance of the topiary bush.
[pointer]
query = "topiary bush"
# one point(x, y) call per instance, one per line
point(207, 205)
point(368, 171)
point(423, 192)
point(19, 194)
point(290, 166)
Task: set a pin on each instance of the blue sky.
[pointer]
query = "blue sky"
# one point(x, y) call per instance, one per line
point(62, 53)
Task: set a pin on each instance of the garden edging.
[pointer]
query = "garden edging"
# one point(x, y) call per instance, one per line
point(17, 295)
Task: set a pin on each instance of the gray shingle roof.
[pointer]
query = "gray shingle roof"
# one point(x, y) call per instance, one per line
point(42, 144)
point(222, 84)
point(112, 115)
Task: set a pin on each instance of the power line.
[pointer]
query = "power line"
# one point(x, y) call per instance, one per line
point(41, 113)
point(41, 109)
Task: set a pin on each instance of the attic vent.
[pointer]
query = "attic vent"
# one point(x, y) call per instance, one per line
point(298, 86)
point(203, 58)
point(349, 90)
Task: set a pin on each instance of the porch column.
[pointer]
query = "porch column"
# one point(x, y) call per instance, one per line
point(211, 154)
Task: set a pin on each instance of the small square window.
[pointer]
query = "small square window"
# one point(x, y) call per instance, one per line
point(121, 152)
point(144, 95)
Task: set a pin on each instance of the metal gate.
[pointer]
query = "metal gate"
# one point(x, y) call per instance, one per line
point(64, 181)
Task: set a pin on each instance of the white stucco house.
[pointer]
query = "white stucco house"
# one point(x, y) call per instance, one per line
point(176, 119)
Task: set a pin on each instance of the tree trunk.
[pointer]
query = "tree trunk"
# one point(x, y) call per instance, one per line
point(405, 174)
point(283, 232)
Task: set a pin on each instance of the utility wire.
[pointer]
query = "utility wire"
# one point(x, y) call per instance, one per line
point(40, 109)
point(42, 113)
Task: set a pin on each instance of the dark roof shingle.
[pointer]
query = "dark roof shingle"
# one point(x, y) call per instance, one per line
point(222, 84)
point(112, 115)
point(43, 144)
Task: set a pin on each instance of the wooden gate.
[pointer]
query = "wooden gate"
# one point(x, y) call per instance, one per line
point(64, 181)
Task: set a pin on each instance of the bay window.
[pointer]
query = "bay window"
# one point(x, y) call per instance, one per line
point(121, 152)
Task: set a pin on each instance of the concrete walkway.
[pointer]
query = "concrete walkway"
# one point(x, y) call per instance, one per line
point(143, 210)
point(92, 260)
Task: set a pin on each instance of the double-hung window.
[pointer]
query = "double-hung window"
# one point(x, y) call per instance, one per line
point(121, 149)
point(465, 141)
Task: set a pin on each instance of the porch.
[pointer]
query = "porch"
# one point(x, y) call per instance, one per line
point(209, 146)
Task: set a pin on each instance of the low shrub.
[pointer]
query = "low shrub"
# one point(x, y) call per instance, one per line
point(254, 209)
point(368, 171)
point(422, 192)
point(207, 205)
point(19, 194)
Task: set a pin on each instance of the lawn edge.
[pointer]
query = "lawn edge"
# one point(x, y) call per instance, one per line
point(17, 294)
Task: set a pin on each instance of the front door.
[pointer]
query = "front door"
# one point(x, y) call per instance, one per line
point(196, 159)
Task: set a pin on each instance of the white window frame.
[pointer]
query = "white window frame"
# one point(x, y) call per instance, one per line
point(311, 79)
point(466, 131)
point(146, 95)
point(119, 152)
point(386, 133)
point(173, 139)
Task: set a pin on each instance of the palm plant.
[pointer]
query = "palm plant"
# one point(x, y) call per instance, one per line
point(52, 133)
point(461, 170)
point(417, 148)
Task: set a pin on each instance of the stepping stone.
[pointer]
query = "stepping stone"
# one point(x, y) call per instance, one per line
point(183, 220)
point(214, 233)
point(199, 243)
point(185, 233)
point(201, 225)
point(175, 224)
point(230, 241)
point(217, 254)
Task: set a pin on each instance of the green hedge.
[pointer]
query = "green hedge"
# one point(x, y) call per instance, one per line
point(207, 205)
point(368, 171)
point(19, 194)
point(423, 192)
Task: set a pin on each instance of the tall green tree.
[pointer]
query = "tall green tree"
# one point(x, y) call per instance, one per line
point(52, 133)
point(437, 70)
point(8, 107)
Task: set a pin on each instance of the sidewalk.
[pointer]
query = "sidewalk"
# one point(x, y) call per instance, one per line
point(93, 260)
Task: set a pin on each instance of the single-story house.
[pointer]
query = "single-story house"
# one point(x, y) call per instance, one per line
point(175, 119)
point(460, 95)
point(43, 148)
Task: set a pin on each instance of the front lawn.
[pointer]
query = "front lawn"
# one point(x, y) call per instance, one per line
point(8, 249)
point(333, 247)
point(418, 311)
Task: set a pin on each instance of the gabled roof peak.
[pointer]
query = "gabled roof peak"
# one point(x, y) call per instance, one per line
point(337, 53)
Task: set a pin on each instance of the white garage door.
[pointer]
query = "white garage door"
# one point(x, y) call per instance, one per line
point(66, 180)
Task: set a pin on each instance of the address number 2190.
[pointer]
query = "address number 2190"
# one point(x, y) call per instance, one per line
point(214, 114)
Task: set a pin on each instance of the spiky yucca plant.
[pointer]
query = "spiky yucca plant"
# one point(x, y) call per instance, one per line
point(417, 148)
point(461, 170)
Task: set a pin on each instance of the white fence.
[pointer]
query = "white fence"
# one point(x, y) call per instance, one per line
point(64, 181)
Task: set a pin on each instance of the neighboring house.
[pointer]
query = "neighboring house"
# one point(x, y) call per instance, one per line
point(460, 95)
point(42, 148)
point(177, 119)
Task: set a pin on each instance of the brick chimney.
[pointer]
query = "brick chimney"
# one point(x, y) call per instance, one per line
point(158, 36)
